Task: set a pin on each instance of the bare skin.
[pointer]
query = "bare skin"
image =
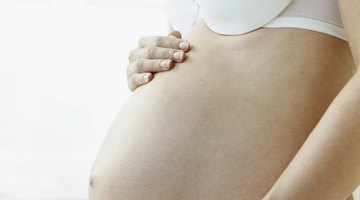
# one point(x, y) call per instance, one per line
point(155, 54)
point(225, 123)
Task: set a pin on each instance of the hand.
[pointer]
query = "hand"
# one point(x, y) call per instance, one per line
point(154, 54)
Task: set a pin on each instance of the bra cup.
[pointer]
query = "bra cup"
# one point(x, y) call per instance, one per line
point(233, 17)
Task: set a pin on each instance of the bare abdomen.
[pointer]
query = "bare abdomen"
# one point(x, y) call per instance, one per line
point(214, 128)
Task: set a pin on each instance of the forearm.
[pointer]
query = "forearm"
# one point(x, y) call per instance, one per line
point(327, 166)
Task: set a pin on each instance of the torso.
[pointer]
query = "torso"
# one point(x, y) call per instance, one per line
point(225, 123)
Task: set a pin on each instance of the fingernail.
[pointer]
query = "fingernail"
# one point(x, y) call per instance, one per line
point(184, 45)
point(178, 55)
point(147, 77)
point(164, 64)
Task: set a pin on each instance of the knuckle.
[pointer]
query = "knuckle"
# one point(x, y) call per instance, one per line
point(141, 41)
point(148, 51)
point(130, 55)
point(130, 85)
point(138, 65)
point(157, 41)
point(132, 88)
point(128, 70)
point(140, 53)
point(171, 53)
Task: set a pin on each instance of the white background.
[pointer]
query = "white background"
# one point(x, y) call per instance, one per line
point(62, 80)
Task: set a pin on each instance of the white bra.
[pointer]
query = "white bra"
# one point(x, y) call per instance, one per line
point(233, 17)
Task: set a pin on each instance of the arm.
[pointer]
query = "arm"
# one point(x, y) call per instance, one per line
point(327, 166)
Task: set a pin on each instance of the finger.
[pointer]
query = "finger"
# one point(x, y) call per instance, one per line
point(161, 53)
point(149, 65)
point(137, 80)
point(156, 53)
point(133, 55)
point(175, 34)
point(167, 42)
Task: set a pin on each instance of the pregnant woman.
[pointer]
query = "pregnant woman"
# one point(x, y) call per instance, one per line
point(265, 105)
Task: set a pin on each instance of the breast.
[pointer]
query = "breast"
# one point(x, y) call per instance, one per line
point(228, 17)
point(232, 17)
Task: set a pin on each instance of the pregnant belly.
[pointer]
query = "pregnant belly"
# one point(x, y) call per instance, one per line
point(210, 130)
